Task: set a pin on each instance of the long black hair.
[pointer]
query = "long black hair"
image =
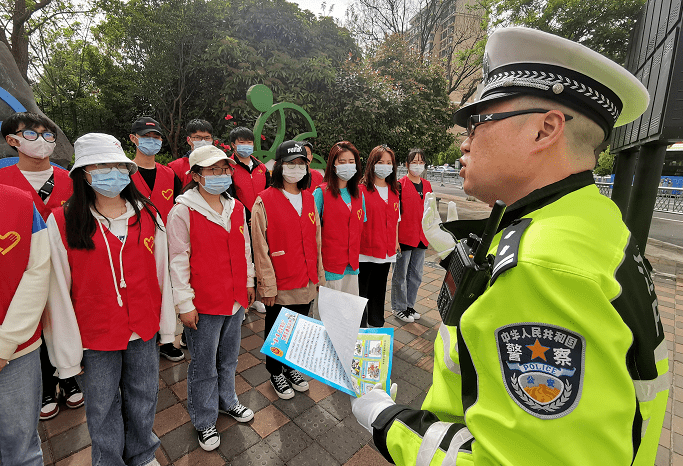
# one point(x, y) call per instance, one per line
point(331, 177)
point(278, 180)
point(80, 222)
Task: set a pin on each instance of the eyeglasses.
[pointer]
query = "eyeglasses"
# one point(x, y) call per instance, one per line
point(295, 162)
point(31, 135)
point(102, 169)
point(216, 171)
point(475, 120)
point(201, 138)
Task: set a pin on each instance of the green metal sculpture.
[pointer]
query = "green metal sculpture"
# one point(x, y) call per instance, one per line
point(260, 98)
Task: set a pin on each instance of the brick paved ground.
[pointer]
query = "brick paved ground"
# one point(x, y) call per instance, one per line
point(317, 427)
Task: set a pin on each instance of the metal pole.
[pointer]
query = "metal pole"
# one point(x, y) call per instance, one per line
point(623, 179)
point(644, 192)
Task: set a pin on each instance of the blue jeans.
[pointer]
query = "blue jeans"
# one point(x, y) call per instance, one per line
point(214, 348)
point(407, 278)
point(121, 389)
point(20, 399)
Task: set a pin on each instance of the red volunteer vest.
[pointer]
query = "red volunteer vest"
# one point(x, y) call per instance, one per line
point(249, 185)
point(341, 231)
point(316, 180)
point(16, 209)
point(217, 253)
point(162, 195)
point(181, 166)
point(104, 325)
point(410, 227)
point(293, 251)
point(62, 190)
point(379, 232)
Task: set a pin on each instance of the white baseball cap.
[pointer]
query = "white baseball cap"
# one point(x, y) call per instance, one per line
point(95, 148)
point(208, 155)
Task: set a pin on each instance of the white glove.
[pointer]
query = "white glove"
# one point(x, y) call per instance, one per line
point(442, 241)
point(369, 406)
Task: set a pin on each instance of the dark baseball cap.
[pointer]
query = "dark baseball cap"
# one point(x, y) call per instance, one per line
point(146, 125)
point(290, 150)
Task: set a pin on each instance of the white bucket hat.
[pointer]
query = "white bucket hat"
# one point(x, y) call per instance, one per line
point(95, 148)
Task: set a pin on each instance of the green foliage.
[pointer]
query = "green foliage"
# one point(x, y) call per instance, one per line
point(448, 156)
point(176, 60)
point(602, 25)
point(605, 163)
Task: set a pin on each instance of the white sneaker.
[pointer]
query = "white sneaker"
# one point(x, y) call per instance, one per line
point(403, 315)
point(413, 313)
point(209, 439)
point(258, 306)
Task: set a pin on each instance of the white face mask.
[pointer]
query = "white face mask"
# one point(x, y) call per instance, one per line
point(382, 171)
point(416, 168)
point(201, 143)
point(293, 174)
point(38, 149)
point(345, 171)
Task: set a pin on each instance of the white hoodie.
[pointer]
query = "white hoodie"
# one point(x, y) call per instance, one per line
point(180, 248)
point(62, 335)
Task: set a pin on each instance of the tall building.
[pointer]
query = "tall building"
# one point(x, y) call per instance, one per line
point(445, 28)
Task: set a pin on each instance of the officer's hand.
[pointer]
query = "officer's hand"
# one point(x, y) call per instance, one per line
point(369, 406)
point(442, 241)
point(268, 301)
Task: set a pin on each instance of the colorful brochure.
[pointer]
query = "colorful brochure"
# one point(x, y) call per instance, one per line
point(335, 350)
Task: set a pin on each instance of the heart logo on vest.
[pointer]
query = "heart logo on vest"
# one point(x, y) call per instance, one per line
point(149, 244)
point(395, 205)
point(242, 229)
point(360, 213)
point(167, 194)
point(12, 238)
point(311, 215)
point(63, 202)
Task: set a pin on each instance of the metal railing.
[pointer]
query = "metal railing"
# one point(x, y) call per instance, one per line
point(669, 199)
point(440, 177)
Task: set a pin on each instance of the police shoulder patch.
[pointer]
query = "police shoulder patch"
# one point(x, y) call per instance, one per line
point(542, 367)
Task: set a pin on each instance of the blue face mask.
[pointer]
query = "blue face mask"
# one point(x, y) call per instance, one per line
point(244, 150)
point(217, 184)
point(149, 146)
point(109, 184)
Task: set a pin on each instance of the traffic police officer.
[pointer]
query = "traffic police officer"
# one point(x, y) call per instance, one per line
point(562, 360)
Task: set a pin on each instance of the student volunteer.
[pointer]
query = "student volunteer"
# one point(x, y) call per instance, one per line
point(286, 236)
point(208, 238)
point(110, 294)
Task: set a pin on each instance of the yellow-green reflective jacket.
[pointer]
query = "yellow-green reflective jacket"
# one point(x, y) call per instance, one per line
point(562, 361)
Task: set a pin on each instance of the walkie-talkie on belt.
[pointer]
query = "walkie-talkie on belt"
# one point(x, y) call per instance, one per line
point(469, 270)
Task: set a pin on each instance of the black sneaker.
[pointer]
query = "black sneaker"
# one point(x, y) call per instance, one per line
point(240, 412)
point(183, 341)
point(413, 313)
point(295, 379)
point(282, 386)
point(404, 316)
point(49, 408)
point(209, 439)
point(72, 395)
point(171, 353)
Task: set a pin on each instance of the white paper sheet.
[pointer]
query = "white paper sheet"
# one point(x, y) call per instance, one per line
point(341, 313)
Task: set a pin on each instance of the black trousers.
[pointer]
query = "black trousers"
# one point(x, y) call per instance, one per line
point(372, 284)
point(273, 365)
point(49, 380)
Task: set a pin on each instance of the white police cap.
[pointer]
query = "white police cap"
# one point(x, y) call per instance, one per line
point(521, 61)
